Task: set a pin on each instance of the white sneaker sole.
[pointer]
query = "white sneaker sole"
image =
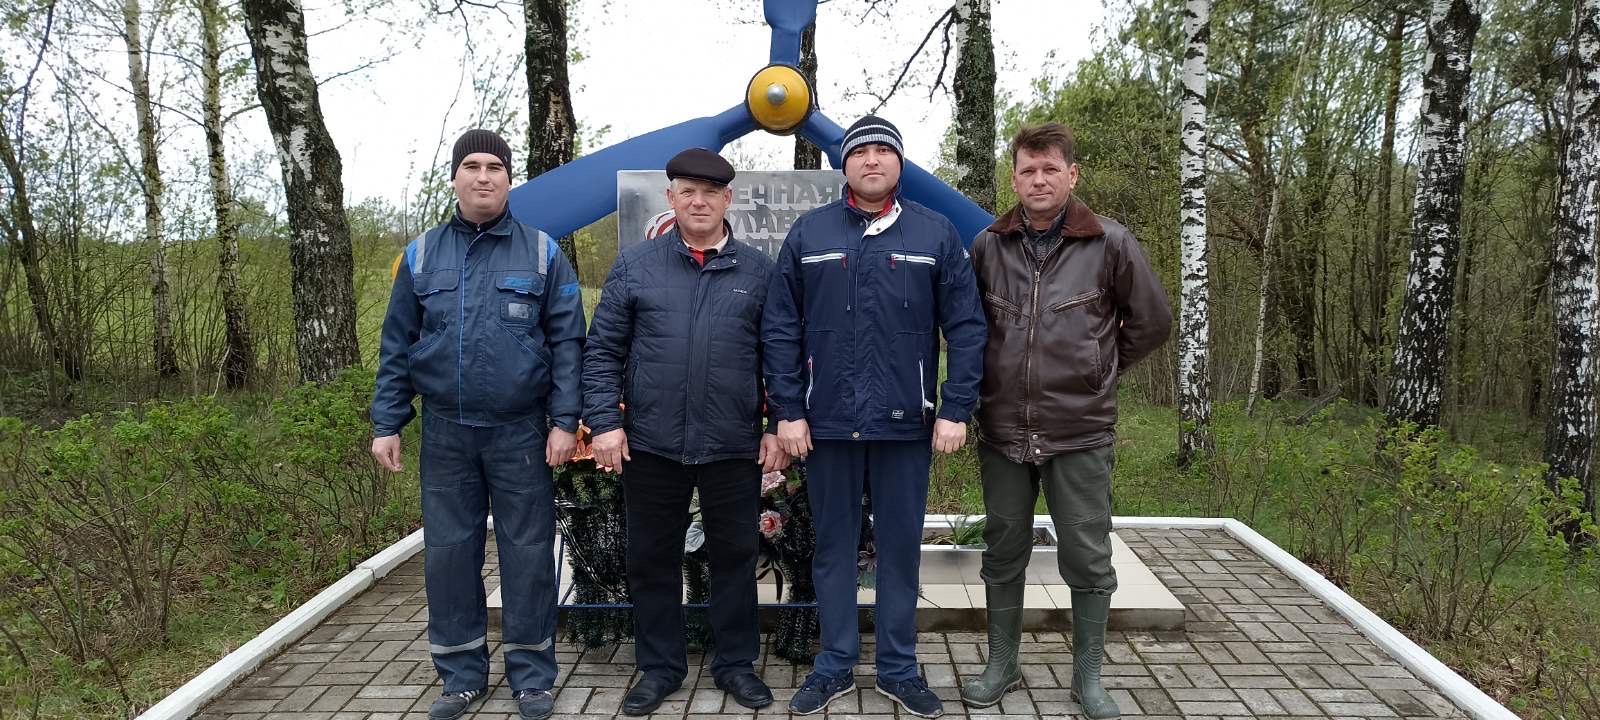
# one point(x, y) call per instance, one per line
point(825, 703)
point(903, 706)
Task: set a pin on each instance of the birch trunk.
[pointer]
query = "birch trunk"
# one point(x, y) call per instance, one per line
point(33, 275)
point(239, 355)
point(166, 353)
point(552, 127)
point(1194, 313)
point(319, 234)
point(1419, 357)
point(1569, 433)
point(806, 155)
point(974, 90)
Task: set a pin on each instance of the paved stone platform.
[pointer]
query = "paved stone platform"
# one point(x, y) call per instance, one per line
point(1256, 644)
point(952, 595)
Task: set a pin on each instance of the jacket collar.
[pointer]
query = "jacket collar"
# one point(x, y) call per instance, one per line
point(1081, 221)
point(499, 225)
point(730, 244)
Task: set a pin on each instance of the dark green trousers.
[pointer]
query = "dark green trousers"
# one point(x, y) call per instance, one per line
point(1077, 489)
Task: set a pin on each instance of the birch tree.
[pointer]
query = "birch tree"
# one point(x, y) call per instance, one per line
point(1194, 313)
point(1269, 235)
point(974, 91)
point(1420, 344)
point(1380, 265)
point(150, 184)
point(319, 234)
point(27, 232)
point(806, 155)
point(1569, 431)
point(239, 355)
point(552, 127)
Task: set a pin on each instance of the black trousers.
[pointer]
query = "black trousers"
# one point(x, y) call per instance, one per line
point(657, 493)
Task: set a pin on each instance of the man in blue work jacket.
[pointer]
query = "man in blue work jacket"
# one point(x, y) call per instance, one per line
point(676, 338)
point(485, 322)
point(862, 289)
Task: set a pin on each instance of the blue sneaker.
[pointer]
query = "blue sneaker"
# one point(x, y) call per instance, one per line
point(914, 696)
point(535, 704)
point(819, 690)
point(452, 705)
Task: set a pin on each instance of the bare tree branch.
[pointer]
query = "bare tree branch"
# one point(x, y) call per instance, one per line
point(944, 57)
point(27, 84)
point(944, 18)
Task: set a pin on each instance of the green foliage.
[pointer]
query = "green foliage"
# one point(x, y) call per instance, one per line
point(116, 524)
point(327, 477)
point(95, 517)
point(1458, 524)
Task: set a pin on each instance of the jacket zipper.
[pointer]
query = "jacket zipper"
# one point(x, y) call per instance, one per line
point(1027, 367)
point(461, 338)
point(811, 378)
point(694, 322)
point(1078, 301)
point(922, 390)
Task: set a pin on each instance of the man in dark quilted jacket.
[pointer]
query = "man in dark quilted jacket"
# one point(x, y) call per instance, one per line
point(674, 396)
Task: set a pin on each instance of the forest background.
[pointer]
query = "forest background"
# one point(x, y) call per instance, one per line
point(1376, 219)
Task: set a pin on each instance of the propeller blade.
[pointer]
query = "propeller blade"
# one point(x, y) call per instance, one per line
point(788, 18)
point(580, 192)
point(916, 183)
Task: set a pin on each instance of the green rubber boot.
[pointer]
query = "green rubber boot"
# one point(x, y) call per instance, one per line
point(1005, 637)
point(1089, 614)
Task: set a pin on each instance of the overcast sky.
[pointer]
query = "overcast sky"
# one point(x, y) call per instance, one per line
point(652, 63)
point(646, 64)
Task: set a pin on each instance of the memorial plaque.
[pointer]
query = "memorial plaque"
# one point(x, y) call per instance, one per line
point(765, 203)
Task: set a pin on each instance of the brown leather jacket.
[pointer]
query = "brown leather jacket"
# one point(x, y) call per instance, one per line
point(1061, 333)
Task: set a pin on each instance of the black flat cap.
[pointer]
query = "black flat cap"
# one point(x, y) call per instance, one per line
point(700, 164)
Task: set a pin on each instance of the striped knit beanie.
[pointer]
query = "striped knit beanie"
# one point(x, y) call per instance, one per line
point(871, 129)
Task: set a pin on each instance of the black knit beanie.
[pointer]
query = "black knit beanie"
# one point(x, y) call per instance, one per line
point(479, 141)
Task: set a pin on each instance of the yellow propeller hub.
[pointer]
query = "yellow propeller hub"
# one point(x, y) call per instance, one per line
point(779, 98)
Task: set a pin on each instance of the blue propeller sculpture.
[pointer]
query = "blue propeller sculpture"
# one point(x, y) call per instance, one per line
point(778, 99)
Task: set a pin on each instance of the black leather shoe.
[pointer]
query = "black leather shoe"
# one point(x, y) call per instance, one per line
point(746, 689)
point(647, 695)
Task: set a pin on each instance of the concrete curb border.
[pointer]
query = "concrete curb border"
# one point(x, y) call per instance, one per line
point(215, 680)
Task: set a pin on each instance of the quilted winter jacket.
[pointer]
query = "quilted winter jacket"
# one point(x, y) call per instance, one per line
point(674, 351)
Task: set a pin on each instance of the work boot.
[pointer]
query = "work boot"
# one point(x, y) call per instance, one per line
point(1005, 637)
point(1089, 614)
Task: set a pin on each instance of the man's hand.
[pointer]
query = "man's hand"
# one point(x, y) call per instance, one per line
point(795, 437)
point(772, 456)
point(559, 447)
point(611, 449)
point(948, 436)
point(386, 450)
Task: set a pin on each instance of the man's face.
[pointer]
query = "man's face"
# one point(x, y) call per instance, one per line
point(872, 170)
point(1043, 181)
point(698, 205)
point(481, 183)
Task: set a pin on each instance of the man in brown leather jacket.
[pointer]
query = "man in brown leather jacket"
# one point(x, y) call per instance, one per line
point(1072, 302)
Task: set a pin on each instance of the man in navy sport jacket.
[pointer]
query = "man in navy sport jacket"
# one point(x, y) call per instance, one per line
point(862, 289)
point(485, 322)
